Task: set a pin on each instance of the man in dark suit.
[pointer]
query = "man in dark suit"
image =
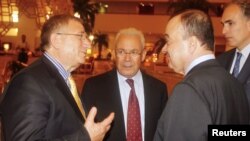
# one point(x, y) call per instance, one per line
point(207, 94)
point(236, 29)
point(110, 92)
point(40, 103)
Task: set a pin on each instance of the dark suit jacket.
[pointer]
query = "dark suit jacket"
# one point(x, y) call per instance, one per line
point(207, 95)
point(38, 105)
point(226, 60)
point(103, 92)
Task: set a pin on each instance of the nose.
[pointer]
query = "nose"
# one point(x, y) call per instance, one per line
point(127, 56)
point(86, 43)
point(224, 30)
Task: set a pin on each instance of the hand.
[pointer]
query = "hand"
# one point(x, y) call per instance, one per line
point(97, 130)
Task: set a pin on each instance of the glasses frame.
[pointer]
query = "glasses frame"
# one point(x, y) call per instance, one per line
point(81, 35)
point(132, 53)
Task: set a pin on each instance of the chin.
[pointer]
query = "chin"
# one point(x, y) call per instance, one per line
point(127, 74)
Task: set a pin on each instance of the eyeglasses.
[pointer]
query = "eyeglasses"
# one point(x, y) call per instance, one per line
point(83, 36)
point(122, 53)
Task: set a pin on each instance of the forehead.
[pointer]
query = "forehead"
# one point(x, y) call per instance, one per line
point(174, 26)
point(74, 26)
point(129, 41)
point(232, 12)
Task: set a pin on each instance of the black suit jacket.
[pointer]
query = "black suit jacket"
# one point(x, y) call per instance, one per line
point(103, 92)
point(38, 105)
point(226, 60)
point(207, 95)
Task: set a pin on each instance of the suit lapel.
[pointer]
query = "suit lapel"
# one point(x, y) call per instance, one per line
point(230, 60)
point(117, 103)
point(148, 90)
point(62, 86)
point(245, 71)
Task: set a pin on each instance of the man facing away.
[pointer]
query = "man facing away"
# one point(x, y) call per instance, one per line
point(208, 94)
point(41, 101)
point(236, 29)
point(113, 92)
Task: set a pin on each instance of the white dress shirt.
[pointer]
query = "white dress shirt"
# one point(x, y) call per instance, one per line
point(124, 93)
point(245, 53)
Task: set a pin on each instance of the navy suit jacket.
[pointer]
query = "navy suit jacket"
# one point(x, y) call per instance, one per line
point(38, 105)
point(226, 60)
point(103, 92)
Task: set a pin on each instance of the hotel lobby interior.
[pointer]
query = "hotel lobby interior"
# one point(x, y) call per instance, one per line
point(25, 17)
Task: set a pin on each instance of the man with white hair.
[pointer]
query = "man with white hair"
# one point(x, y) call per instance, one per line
point(136, 98)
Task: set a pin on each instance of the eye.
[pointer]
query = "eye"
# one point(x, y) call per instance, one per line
point(135, 52)
point(120, 51)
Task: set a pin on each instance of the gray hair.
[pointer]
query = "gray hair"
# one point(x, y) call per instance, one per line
point(131, 31)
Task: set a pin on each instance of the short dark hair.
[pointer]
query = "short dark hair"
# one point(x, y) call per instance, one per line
point(197, 23)
point(244, 5)
point(53, 24)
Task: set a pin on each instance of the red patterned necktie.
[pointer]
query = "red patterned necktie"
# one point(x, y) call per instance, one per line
point(134, 132)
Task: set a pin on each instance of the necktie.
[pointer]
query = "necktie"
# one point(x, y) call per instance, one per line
point(134, 132)
point(236, 68)
point(74, 92)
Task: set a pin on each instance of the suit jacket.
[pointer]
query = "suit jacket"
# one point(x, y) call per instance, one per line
point(103, 92)
point(38, 105)
point(226, 60)
point(207, 95)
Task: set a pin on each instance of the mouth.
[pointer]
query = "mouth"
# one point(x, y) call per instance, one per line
point(127, 65)
point(228, 38)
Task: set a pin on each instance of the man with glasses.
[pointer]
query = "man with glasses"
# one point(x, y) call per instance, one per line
point(136, 98)
point(41, 102)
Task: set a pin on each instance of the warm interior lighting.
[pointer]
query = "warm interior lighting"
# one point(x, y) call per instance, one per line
point(91, 37)
point(6, 47)
point(89, 51)
point(77, 15)
point(8, 16)
point(12, 32)
point(15, 16)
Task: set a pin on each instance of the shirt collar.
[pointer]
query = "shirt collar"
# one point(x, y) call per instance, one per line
point(198, 61)
point(137, 77)
point(58, 66)
point(245, 51)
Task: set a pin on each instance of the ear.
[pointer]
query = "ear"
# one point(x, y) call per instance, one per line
point(55, 40)
point(248, 25)
point(193, 43)
point(144, 52)
point(113, 54)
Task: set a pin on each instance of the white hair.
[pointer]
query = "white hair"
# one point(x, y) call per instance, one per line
point(131, 31)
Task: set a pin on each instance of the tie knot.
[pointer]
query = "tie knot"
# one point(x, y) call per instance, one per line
point(130, 82)
point(71, 81)
point(239, 55)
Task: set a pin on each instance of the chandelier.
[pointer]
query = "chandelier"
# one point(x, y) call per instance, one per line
point(42, 10)
point(8, 15)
